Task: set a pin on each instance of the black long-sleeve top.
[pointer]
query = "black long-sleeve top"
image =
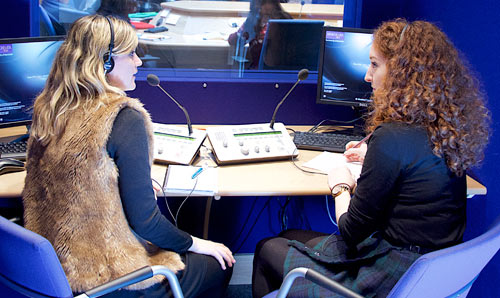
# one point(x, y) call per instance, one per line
point(406, 192)
point(128, 147)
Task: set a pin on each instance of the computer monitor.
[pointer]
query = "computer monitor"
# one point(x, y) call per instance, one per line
point(343, 61)
point(291, 45)
point(24, 67)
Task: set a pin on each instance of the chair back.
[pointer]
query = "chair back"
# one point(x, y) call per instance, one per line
point(29, 264)
point(291, 45)
point(450, 271)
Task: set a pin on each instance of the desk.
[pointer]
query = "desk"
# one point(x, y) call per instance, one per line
point(194, 42)
point(332, 14)
point(199, 38)
point(276, 178)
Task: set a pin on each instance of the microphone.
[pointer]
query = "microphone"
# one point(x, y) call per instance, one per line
point(154, 81)
point(301, 6)
point(302, 75)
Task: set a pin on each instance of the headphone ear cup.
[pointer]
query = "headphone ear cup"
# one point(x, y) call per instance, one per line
point(109, 63)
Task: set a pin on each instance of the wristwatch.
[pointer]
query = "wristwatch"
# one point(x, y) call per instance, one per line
point(340, 188)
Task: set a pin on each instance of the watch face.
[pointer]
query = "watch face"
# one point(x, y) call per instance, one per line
point(339, 188)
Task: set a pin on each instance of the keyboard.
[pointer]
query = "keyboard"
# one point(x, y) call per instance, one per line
point(334, 142)
point(16, 150)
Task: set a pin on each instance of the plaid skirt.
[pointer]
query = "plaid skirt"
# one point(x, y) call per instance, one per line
point(371, 269)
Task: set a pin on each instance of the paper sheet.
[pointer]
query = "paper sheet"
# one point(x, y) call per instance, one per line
point(180, 181)
point(152, 36)
point(326, 161)
point(172, 19)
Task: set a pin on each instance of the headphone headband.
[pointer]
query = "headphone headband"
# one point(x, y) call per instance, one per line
point(109, 63)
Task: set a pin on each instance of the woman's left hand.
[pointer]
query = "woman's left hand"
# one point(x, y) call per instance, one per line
point(217, 250)
point(339, 175)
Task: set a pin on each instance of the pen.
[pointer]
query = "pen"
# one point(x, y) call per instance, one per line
point(362, 141)
point(197, 173)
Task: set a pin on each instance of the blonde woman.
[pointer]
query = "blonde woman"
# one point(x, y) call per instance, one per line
point(88, 187)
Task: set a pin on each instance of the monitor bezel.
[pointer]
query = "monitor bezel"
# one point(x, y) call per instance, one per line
point(26, 40)
point(319, 99)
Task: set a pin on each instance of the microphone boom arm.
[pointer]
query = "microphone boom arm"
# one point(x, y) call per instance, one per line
point(190, 129)
point(273, 119)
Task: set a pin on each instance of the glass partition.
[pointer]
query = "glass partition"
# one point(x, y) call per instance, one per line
point(214, 39)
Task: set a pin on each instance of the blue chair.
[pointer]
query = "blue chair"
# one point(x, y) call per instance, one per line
point(30, 267)
point(448, 272)
point(291, 45)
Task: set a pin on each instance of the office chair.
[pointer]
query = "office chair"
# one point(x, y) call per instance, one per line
point(291, 45)
point(30, 267)
point(449, 272)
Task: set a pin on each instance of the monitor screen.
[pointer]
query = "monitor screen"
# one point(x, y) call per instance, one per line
point(291, 45)
point(343, 62)
point(24, 67)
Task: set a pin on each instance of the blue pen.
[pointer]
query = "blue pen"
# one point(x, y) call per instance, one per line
point(197, 173)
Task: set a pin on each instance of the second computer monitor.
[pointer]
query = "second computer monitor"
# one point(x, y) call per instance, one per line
point(291, 45)
point(344, 60)
point(24, 67)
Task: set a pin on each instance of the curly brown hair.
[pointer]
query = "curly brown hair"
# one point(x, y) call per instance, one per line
point(428, 83)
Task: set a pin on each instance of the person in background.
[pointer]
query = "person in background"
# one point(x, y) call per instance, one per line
point(88, 187)
point(254, 29)
point(428, 126)
point(118, 8)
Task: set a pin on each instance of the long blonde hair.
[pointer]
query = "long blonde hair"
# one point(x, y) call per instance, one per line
point(77, 78)
point(428, 83)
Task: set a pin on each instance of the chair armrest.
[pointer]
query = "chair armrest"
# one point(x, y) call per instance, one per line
point(316, 278)
point(135, 277)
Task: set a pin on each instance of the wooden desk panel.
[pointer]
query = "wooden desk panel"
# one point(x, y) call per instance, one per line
point(277, 178)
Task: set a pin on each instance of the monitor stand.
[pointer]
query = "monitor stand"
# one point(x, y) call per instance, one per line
point(358, 127)
point(360, 113)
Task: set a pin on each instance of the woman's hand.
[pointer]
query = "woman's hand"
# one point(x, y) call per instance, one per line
point(217, 250)
point(355, 154)
point(339, 175)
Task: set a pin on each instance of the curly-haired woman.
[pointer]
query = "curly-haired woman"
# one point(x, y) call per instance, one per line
point(428, 125)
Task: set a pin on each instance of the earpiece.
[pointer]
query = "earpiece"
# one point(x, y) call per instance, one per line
point(109, 63)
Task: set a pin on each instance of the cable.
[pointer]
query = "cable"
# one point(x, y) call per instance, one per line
point(329, 214)
point(164, 197)
point(185, 199)
point(253, 225)
point(314, 128)
point(282, 217)
point(292, 158)
point(244, 224)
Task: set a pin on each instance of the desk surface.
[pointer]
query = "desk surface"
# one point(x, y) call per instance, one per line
point(278, 178)
point(238, 9)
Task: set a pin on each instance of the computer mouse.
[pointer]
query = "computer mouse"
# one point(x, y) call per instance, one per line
point(9, 165)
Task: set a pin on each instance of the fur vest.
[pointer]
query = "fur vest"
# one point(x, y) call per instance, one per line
point(71, 197)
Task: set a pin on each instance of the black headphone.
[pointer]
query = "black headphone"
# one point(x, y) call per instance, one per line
point(109, 63)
